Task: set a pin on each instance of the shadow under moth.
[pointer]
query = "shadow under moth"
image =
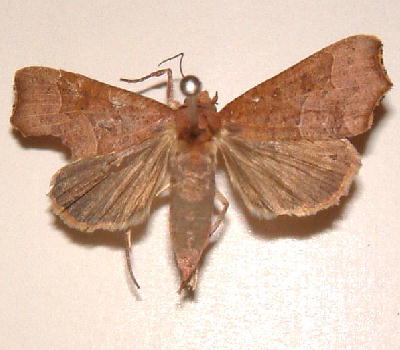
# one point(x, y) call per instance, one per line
point(284, 142)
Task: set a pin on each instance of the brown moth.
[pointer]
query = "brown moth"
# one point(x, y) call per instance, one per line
point(284, 142)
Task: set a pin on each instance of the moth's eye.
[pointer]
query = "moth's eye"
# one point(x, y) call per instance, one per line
point(190, 85)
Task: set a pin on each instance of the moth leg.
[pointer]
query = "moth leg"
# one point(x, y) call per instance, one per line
point(128, 253)
point(225, 204)
point(170, 84)
point(162, 189)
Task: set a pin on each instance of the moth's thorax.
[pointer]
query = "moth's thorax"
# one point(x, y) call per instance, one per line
point(208, 121)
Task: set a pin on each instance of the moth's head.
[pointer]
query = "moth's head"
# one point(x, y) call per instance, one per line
point(198, 120)
point(191, 87)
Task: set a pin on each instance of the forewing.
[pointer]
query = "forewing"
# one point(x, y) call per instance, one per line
point(331, 94)
point(298, 177)
point(112, 191)
point(90, 117)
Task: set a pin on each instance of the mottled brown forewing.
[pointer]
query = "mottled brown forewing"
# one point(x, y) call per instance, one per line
point(330, 94)
point(284, 142)
point(89, 117)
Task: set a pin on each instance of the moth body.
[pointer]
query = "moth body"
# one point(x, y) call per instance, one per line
point(285, 143)
point(192, 180)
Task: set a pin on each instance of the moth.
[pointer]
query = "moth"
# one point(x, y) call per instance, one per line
point(284, 143)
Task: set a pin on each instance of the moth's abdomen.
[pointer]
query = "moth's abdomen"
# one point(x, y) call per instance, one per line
point(192, 170)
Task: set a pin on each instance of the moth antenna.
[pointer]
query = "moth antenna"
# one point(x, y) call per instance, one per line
point(191, 86)
point(173, 57)
point(128, 244)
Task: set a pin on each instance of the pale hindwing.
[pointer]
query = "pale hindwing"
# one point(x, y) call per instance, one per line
point(289, 177)
point(113, 191)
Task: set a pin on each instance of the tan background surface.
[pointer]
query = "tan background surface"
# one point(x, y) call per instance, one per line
point(330, 281)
